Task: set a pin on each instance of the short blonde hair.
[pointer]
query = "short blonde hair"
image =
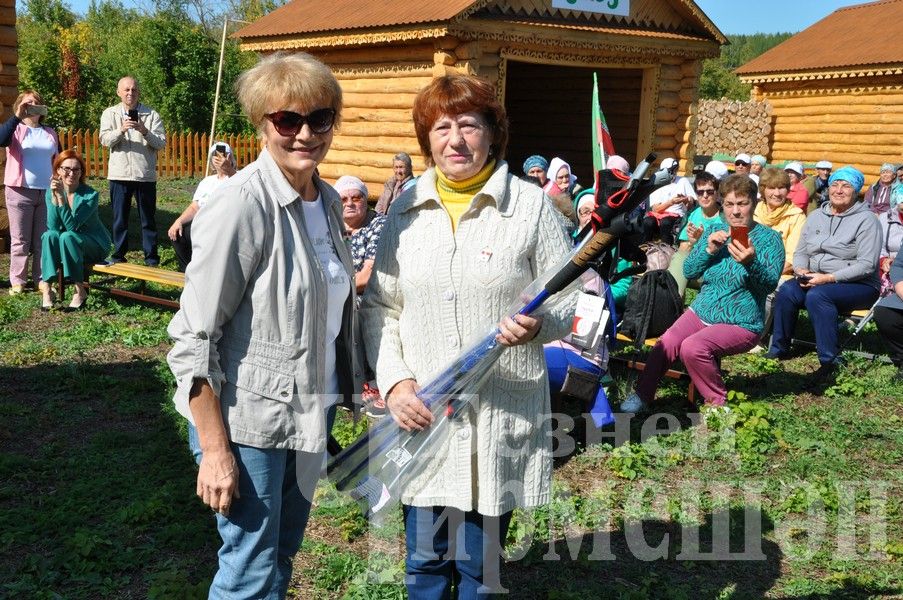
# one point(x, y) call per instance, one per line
point(281, 80)
point(38, 99)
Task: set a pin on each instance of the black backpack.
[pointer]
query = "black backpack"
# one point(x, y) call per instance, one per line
point(653, 304)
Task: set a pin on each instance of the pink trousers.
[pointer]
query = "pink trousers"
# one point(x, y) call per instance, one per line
point(27, 222)
point(698, 346)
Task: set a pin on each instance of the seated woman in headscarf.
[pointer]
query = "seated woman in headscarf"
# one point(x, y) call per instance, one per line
point(537, 166)
point(561, 180)
point(402, 179)
point(836, 264)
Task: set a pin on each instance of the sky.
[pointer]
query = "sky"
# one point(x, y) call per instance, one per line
point(730, 16)
point(769, 16)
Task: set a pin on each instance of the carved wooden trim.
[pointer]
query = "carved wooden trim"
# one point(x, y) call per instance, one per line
point(891, 71)
point(824, 91)
point(344, 40)
point(641, 45)
point(579, 60)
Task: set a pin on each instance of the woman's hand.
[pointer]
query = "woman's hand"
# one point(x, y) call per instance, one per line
point(22, 109)
point(740, 253)
point(716, 241)
point(223, 165)
point(693, 233)
point(218, 479)
point(175, 230)
point(406, 408)
point(57, 191)
point(519, 330)
point(817, 279)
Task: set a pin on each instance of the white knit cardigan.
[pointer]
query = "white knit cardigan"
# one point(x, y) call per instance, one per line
point(433, 290)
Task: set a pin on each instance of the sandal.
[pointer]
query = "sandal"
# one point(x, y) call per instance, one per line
point(78, 300)
point(48, 296)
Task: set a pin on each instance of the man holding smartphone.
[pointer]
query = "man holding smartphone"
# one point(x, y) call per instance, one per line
point(134, 134)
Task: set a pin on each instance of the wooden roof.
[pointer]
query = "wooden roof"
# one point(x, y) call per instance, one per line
point(311, 17)
point(861, 36)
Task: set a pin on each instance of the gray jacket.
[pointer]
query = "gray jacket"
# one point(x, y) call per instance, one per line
point(252, 320)
point(845, 245)
point(133, 157)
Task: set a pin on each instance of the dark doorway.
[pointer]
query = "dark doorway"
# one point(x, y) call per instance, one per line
point(549, 110)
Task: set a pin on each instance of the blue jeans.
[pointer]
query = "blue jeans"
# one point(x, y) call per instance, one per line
point(823, 303)
point(266, 524)
point(145, 193)
point(446, 545)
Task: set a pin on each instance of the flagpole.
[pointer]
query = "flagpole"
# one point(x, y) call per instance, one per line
point(219, 80)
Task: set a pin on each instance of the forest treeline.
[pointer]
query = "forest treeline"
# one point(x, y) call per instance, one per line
point(172, 47)
point(718, 79)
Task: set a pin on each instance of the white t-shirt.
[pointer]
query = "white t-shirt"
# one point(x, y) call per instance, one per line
point(38, 148)
point(679, 186)
point(205, 189)
point(338, 283)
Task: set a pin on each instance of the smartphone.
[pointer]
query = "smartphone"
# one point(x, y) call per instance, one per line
point(36, 109)
point(221, 149)
point(133, 114)
point(741, 235)
point(803, 278)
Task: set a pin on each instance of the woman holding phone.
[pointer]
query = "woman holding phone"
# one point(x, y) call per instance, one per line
point(835, 266)
point(222, 162)
point(739, 265)
point(31, 148)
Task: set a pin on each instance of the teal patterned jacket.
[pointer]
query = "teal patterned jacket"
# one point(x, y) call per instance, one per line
point(732, 293)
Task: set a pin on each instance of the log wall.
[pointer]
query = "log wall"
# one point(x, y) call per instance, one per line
point(859, 123)
point(378, 87)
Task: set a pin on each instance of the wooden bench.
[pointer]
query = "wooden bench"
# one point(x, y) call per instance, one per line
point(142, 274)
point(641, 366)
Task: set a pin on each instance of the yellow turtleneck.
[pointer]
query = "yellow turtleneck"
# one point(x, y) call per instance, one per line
point(456, 196)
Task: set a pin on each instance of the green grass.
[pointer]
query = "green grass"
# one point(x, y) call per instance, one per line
point(97, 484)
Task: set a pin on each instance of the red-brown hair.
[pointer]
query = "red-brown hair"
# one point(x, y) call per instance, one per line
point(66, 155)
point(454, 95)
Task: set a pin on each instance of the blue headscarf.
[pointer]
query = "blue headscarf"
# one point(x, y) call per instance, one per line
point(535, 161)
point(849, 174)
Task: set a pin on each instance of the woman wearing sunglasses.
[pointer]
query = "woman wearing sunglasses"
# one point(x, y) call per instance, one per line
point(451, 258)
point(263, 339)
point(75, 234)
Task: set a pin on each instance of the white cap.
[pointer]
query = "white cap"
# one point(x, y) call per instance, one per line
point(743, 157)
point(350, 182)
point(823, 164)
point(716, 168)
point(668, 163)
point(795, 167)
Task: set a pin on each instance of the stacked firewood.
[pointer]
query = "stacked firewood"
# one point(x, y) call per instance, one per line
point(732, 126)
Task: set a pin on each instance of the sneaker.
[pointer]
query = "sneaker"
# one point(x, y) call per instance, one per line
point(775, 355)
point(16, 290)
point(151, 262)
point(374, 405)
point(633, 404)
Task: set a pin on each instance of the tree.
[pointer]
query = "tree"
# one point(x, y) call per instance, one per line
point(718, 79)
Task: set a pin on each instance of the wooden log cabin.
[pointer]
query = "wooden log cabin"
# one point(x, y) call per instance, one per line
point(540, 59)
point(836, 89)
point(9, 83)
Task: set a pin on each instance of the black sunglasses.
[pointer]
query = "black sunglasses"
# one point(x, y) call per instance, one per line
point(705, 192)
point(289, 123)
point(740, 162)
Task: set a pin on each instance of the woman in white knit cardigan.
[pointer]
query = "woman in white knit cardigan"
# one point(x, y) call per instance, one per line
point(455, 252)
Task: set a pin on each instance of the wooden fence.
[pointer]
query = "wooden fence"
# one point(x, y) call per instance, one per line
point(184, 155)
